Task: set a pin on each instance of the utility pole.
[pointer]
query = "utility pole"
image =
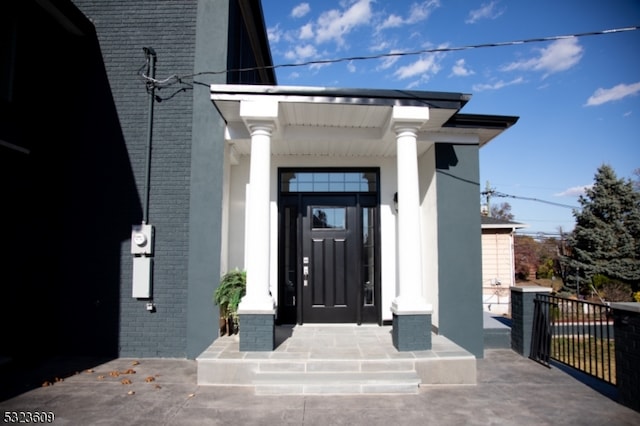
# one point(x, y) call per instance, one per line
point(487, 193)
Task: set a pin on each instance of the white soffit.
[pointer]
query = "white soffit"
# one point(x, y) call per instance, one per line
point(313, 126)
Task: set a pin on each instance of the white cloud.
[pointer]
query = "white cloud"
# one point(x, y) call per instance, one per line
point(486, 11)
point(335, 24)
point(574, 191)
point(300, 10)
point(460, 69)
point(417, 13)
point(497, 85)
point(306, 32)
point(274, 34)
point(559, 56)
point(616, 93)
point(301, 52)
point(426, 64)
point(351, 67)
point(315, 67)
point(627, 114)
point(383, 45)
point(388, 61)
point(421, 11)
point(392, 21)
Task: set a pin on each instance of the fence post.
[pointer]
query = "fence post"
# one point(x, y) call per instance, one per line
point(626, 332)
point(522, 317)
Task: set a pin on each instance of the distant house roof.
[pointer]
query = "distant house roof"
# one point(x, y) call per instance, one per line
point(495, 223)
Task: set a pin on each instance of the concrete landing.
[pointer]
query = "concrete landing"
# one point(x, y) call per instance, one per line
point(315, 359)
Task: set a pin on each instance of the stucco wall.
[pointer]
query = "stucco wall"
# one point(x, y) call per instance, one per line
point(459, 247)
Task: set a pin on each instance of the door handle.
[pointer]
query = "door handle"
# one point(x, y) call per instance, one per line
point(305, 275)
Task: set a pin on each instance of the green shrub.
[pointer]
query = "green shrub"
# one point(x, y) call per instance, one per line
point(232, 288)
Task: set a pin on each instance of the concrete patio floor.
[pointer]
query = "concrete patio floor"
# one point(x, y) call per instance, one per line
point(510, 390)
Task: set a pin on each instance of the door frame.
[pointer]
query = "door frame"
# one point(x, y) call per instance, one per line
point(292, 220)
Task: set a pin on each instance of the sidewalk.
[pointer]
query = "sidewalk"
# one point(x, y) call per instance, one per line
point(511, 390)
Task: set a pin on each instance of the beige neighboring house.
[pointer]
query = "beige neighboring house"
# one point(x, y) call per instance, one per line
point(498, 264)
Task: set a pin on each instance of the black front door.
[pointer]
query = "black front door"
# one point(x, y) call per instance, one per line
point(328, 258)
point(330, 261)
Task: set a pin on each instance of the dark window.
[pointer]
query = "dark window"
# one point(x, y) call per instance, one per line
point(329, 217)
point(344, 181)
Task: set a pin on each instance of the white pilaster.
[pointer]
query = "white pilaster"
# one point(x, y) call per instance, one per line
point(409, 301)
point(260, 119)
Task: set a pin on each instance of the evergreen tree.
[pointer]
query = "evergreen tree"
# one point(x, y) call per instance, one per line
point(606, 238)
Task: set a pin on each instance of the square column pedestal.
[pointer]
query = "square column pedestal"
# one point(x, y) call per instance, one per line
point(411, 325)
point(411, 332)
point(257, 331)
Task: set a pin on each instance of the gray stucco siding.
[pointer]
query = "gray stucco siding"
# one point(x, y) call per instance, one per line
point(459, 246)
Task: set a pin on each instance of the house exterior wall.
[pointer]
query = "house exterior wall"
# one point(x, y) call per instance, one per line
point(187, 158)
point(497, 270)
point(92, 147)
point(459, 247)
point(122, 29)
point(205, 180)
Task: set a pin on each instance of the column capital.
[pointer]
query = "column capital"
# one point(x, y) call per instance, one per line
point(260, 127)
point(408, 118)
point(260, 116)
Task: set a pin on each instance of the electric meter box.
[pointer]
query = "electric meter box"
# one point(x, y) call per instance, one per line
point(142, 239)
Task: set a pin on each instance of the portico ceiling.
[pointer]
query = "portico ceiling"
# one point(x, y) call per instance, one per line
point(350, 122)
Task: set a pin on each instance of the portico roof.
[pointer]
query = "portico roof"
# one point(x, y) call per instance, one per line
point(352, 122)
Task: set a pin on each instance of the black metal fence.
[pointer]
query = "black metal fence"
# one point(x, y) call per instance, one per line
point(575, 333)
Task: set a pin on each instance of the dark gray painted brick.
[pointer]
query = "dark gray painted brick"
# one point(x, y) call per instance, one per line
point(411, 332)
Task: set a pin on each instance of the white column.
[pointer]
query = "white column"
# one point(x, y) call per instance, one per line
point(406, 121)
point(259, 117)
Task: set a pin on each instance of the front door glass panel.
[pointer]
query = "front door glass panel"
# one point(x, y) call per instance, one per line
point(329, 217)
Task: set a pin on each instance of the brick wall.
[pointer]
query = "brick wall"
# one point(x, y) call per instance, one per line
point(257, 332)
point(411, 332)
point(123, 28)
point(522, 307)
point(626, 318)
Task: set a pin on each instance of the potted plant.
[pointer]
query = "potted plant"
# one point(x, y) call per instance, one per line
point(232, 288)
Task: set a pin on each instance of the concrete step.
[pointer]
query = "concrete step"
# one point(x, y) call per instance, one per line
point(335, 360)
point(336, 383)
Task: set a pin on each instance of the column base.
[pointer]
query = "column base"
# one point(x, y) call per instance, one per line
point(412, 332)
point(257, 332)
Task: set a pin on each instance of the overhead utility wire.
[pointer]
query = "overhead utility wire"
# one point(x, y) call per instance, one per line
point(503, 195)
point(176, 79)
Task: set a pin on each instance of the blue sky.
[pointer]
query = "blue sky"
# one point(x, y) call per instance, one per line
point(578, 98)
